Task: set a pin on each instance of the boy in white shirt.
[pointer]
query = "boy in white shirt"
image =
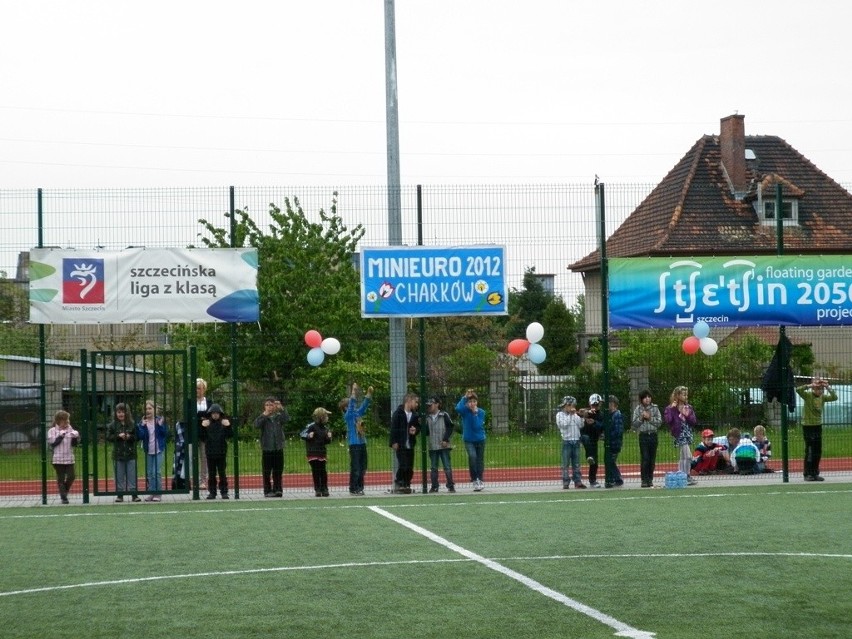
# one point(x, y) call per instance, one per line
point(569, 423)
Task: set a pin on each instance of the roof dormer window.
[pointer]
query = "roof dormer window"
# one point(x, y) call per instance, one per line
point(789, 212)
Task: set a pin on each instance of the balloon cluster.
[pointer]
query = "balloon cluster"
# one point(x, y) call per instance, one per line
point(320, 347)
point(700, 340)
point(535, 351)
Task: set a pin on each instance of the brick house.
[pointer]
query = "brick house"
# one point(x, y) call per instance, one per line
point(718, 200)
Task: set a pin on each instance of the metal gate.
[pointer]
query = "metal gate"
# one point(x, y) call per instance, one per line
point(154, 451)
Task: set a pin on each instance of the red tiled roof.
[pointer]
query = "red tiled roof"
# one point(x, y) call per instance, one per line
point(692, 211)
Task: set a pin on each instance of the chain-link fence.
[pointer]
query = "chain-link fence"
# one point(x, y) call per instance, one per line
point(544, 229)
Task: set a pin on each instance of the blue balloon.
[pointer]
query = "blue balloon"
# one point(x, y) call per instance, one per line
point(701, 329)
point(536, 353)
point(316, 356)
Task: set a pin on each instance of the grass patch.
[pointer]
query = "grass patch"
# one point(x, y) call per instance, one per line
point(656, 561)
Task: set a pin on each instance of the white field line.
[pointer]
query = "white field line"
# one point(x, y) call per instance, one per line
point(99, 510)
point(622, 629)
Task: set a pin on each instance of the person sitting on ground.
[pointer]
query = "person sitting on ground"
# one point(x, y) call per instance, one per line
point(745, 456)
point(729, 442)
point(765, 448)
point(709, 456)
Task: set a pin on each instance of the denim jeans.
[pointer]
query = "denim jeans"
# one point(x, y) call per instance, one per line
point(357, 467)
point(476, 459)
point(571, 462)
point(125, 476)
point(442, 455)
point(154, 472)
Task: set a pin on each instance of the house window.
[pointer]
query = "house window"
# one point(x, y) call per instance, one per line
point(789, 211)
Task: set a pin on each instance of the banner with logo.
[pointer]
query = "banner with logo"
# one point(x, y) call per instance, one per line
point(69, 286)
point(800, 290)
point(421, 281)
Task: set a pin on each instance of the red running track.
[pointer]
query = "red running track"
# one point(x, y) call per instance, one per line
point(383, 478)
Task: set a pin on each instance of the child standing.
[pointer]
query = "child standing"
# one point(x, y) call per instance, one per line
point(317, 435)
point(569, 423)
point(765, 448)
point(440, 428)
point(680, 419)
point(62, 438)
point(616, 440)
point(591, 435)
point(215, 432)
point(122, 433)
point(473, 435)
point(356, 437)
point(152, 431)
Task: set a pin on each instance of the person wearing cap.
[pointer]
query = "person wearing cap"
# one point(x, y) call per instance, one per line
point(215, 432)
point(440, 430)
point(317, 435)
point(473, 435)
point(356, 436)
point(591, 435)
point(569, 424)
point(270, 423)
point(680, 418)
point(405, 424)
point(615, 441)
point(646, 422)
point(709, 456)
point(814, 395)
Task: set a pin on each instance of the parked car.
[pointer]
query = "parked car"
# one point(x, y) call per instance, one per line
point(836, 413)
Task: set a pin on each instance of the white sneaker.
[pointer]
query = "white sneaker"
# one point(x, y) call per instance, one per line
point(478, 485)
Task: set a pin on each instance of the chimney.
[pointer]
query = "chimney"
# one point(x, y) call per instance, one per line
point(732, 146)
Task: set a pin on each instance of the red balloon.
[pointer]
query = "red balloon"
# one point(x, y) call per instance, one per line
point(518, 347)
point(691, 345)
point(313, 338)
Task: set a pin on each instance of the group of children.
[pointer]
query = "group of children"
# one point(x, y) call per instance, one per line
point(734, 453)
point(584, 427)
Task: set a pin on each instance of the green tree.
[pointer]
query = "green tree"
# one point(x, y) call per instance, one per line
point(305, 280)
point(17, 336)
point(561, 324)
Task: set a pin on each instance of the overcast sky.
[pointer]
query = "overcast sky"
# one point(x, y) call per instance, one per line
point(186, 93)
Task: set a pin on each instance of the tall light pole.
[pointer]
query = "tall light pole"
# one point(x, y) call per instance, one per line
point(396, 337)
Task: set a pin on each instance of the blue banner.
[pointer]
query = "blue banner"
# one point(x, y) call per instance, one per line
point(797, 290)
point(430, 281)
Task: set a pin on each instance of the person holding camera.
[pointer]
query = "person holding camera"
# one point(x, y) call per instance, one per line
point(814, 395)
point(62, 438)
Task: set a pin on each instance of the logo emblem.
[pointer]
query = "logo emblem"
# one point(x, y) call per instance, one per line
point(82, 281)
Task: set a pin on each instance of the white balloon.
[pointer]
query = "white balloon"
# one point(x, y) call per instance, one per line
point(330, 346)
point(708, 346)
point(536, 353)
point(535, 332)
point(315, 356)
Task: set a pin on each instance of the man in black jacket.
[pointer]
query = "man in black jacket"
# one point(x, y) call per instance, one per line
point(403, 436)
